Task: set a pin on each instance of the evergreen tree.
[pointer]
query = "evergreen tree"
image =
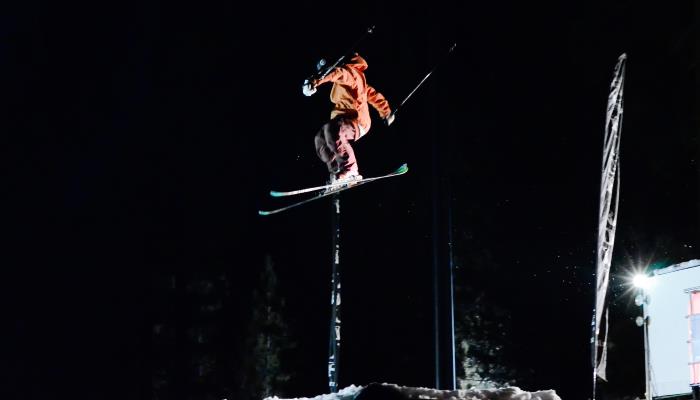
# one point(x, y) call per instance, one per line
point(264, 373)
point(482, 326)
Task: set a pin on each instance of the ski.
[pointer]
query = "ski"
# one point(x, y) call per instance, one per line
point(401, 170)
point(342, 187)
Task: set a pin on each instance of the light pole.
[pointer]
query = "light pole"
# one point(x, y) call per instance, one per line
point(641, 282)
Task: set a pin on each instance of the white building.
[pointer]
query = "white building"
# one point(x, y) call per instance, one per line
point(672, 306)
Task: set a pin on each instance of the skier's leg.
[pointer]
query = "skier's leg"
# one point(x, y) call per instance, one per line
point(330, 134)
point(345, 155)
point(323, 151)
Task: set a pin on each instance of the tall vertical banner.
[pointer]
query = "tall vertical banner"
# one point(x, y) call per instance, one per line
point(607, 217)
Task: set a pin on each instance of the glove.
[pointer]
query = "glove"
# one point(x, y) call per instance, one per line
point(389, 119)
point(308, 88)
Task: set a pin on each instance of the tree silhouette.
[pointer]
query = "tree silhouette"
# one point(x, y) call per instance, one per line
point(264, 373)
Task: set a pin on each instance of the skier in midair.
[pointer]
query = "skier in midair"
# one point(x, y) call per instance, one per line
point(350, 119)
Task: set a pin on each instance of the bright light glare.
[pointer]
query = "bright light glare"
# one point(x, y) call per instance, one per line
point(641, 281)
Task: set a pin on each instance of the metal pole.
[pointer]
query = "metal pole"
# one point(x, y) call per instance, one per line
point(445, 363)
point(647, 370)
point(334, 344)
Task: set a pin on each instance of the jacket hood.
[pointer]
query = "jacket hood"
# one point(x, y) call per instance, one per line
point(357, 62)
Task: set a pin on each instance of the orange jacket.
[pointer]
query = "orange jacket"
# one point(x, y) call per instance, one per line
point(351, 93)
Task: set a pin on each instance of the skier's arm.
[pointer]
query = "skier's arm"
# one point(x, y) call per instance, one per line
point(338, 75)
point(378, 101)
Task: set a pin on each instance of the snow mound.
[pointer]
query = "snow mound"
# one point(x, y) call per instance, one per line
point(386, 391)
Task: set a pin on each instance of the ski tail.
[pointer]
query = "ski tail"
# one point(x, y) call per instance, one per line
point(279, 210)
point(275, 193)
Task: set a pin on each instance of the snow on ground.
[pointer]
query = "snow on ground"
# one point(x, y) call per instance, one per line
point(401, 392)
point(347, 393)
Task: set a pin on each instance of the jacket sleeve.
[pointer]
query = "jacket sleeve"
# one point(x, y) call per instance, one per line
point(338, 75)
point(378, 101)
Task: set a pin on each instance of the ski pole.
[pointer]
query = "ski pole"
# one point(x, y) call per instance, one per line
point(396, 110)
point(328, 70)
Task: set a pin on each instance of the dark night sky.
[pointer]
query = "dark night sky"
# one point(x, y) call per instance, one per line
point(143, 139)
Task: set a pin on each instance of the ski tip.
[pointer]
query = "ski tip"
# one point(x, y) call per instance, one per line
point(402, 169)
point(275, 193)
point(264, 213)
